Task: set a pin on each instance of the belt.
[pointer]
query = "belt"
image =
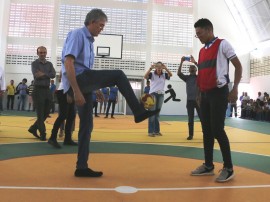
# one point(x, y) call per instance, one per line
point(214, 90)
point(159, 92)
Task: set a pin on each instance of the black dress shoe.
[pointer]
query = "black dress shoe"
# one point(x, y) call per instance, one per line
point(33, 132)
point(146, 114)
point(70, 143)
point(87, 173)
point(43, 137)
point(54, 143)
point(189, 137)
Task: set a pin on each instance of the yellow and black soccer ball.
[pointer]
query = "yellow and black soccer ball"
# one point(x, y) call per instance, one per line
point(148, 101)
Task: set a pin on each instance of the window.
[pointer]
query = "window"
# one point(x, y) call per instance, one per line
point(27, 20)
point(172, 29)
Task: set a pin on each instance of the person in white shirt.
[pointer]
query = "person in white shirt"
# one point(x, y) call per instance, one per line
point(260, 96)
point(2, 86)
point(157, 79)
point(246, 97)
point(2, 79)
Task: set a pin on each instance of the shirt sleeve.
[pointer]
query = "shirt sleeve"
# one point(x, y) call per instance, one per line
point(167, 76)
point(227, 49)
point(182, 76)
point(150, 76)
point(74, 44)
point(51, 72)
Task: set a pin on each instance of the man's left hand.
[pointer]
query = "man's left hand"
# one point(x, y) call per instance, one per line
point(233, 95)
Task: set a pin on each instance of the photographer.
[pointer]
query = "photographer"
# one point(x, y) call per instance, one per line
point(157, 79)
point(192, 92)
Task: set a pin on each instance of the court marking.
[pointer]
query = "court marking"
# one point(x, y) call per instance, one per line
point(138, 189)
point(146, 143)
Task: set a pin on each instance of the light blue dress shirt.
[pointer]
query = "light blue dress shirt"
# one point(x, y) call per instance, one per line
point(79, 44)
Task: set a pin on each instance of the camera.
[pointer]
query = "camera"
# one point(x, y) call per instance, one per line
point(187, 58)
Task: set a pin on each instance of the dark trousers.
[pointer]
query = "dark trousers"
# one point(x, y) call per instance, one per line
point(10, 100)
point(89, 81)
point(213, 110)
point(111, 102)
point(95, 106)
point(233, 107)
point(85, 113)
point(66, 112)
point(191, 106)
point(1, 102)
point(42, 99)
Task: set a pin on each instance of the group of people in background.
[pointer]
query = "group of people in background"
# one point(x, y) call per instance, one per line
point(255, 109)
point(22, 90)
point(105, 97)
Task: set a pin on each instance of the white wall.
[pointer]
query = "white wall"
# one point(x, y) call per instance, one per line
point(4, 14)
point(259, 84)
point(171, 107)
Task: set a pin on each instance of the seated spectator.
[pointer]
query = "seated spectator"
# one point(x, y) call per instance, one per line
point(246, 97)
point(260, 96)
point(244, 109)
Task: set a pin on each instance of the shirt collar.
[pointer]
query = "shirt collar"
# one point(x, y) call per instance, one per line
point(41, 61)
point(208, 44)
point(88, 34)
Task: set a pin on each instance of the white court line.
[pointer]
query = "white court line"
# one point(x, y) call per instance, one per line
point(138, 189)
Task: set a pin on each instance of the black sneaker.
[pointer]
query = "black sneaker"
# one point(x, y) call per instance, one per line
point(70, 143)
point(189, 137)
point(54, 143)
point(87, 173)
point(33, 132)
point(146, 114)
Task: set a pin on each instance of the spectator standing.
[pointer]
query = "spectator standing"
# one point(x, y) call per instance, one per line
point(10, 95)
point(147, 87)
point(2, 86)
point(95, 102)
point(113, 98)
point(157, 78)
point(22, 94)
point(105, 93)
point(43, 71)
point(192, 94)
point(30, 98)
point(66, 117)
point(53, 89)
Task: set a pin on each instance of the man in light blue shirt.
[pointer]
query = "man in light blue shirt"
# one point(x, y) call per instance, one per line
point(79, 80)
point(112, 101)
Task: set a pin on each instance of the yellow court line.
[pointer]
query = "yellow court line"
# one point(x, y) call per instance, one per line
point(13, 129)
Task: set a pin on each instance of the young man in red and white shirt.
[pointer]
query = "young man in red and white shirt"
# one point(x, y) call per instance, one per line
point(213, 79)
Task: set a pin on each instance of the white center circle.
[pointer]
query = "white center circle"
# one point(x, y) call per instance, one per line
point(126, 190)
